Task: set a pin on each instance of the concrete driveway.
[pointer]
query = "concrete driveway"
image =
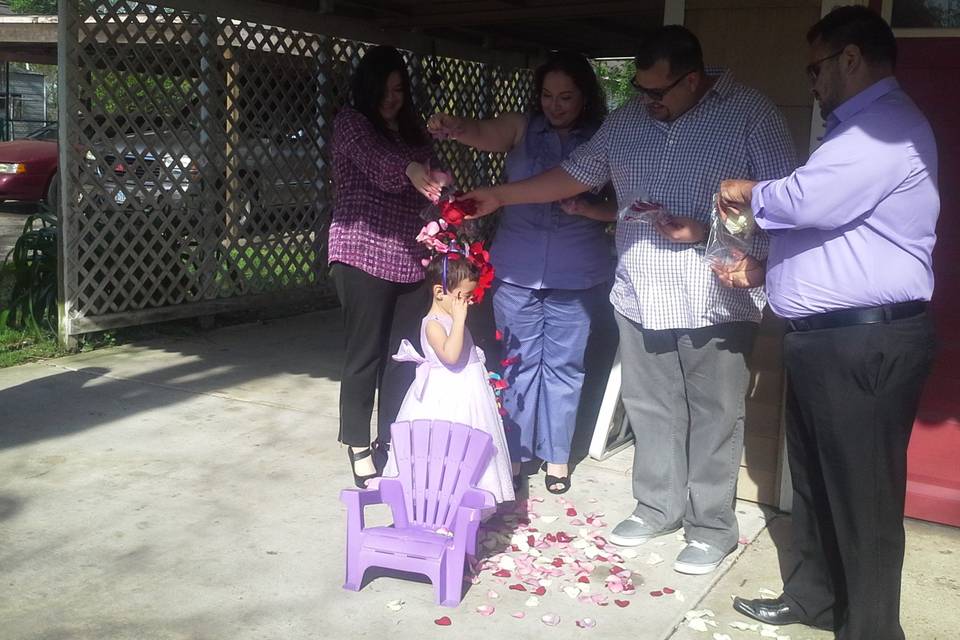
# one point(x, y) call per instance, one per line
point(188, 488)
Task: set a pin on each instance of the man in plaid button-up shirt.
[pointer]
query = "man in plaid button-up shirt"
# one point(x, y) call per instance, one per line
point(684, 339)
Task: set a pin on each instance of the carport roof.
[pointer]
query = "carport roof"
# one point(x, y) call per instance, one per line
point(517, 30)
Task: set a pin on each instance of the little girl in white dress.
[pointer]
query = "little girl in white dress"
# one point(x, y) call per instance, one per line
point(451, 382)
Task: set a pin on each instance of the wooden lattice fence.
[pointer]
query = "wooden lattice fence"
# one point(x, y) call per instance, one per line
point(197, 165)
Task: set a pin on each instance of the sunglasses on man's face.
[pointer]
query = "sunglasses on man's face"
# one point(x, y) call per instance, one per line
point(656, 95)
point(813, 69)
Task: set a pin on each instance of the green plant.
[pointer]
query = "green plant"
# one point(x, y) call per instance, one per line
point(33, 297)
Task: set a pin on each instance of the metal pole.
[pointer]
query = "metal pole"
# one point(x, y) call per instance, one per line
point(6, 116)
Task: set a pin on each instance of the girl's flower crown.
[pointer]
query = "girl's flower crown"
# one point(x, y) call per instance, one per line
point(443, 237)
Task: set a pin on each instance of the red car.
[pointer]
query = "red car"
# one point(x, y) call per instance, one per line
point(28, 167)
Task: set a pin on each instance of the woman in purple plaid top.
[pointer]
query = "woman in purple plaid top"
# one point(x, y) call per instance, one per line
point(380, 162)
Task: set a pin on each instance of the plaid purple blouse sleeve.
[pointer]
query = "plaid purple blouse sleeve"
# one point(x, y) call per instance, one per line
point(376, 211)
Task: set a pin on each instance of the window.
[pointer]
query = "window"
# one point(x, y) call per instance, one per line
point(923, 17)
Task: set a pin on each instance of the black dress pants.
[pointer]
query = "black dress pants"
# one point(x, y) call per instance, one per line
point(377, 315)
point(853, 397)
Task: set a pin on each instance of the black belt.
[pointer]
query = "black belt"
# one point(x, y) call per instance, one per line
point(848, 317)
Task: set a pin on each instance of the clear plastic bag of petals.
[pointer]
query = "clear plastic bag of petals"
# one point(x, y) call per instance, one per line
point(729, 240)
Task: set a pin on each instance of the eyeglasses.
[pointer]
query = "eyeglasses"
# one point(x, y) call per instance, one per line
point(657, 95)
point(813, 69)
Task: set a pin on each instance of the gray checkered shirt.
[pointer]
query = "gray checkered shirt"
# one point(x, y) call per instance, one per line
point(733, 132)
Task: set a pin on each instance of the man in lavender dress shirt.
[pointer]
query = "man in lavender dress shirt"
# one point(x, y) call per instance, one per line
point(850, 267)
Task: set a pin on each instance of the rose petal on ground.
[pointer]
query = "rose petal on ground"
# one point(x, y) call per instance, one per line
point(615, 569)
point(532, 601)
point(621, 603)
point(546, 582)
point(493, 595)
point(583, 579)
point(697, 624)
point(485, 610)
point(443, 622)
point(395, 605)
point(654, 559)
point(548, 519)
point(680, 597)
point(576, 522)
point(571, 512)
point(573, 592)
point(669, 590)
point(656, 594)
point(518, 614)
point(550, 620)
point(539, 591)
point(502, 573)
point(628, 553)
point(743, 540)
point(587, 623)
point(517, 587)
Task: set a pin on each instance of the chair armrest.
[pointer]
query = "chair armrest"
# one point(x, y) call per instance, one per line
point(356, 500)
point(478, 499)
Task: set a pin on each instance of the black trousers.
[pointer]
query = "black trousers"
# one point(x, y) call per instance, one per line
point(853, 397)
point(377, 315)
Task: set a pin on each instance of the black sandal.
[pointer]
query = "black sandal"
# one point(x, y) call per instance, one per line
point(564, 483)
point(360, 481)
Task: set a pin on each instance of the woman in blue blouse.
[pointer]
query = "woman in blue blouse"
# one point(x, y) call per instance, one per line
point(553, 261)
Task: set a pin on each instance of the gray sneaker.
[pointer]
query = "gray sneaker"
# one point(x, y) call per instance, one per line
point(635, 531)
point(698, 558)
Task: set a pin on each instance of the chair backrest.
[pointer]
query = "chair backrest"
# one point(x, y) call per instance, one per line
point(437, 462)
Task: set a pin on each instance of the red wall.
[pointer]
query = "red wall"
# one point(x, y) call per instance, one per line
point(929, 70)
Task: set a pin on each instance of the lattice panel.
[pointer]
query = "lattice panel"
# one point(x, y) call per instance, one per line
point(199, 168)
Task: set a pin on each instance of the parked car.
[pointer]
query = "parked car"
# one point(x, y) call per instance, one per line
point(154, 168)
point(28, 167)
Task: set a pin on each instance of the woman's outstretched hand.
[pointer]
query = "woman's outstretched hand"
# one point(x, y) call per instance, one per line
point(427, 182)
point(443, 126)
point(485, 199)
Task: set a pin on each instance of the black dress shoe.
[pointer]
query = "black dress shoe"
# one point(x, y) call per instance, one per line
point(774, 612)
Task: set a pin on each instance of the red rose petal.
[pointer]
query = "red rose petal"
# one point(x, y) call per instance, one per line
point(621, 603)
point(517, 587)
point(668, 590)
point(571, 512)
point(443, 622)
point(539, 591)
point(583, 579)
point(557, 562)
point(615, 569)
point(656, 594)
point(503, 573)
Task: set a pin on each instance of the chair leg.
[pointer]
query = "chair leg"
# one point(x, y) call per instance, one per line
point(452, 581)
point(355, 571)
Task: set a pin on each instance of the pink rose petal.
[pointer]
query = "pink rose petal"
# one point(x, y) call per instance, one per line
point(571, 512)
point(518, 614)
point(493, 595)
point(550, 620)
point(485, 610)
point(587, 623)
point(577, 522)
point(442, 622)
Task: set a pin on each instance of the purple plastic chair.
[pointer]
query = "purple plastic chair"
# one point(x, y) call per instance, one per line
point(434, 495)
